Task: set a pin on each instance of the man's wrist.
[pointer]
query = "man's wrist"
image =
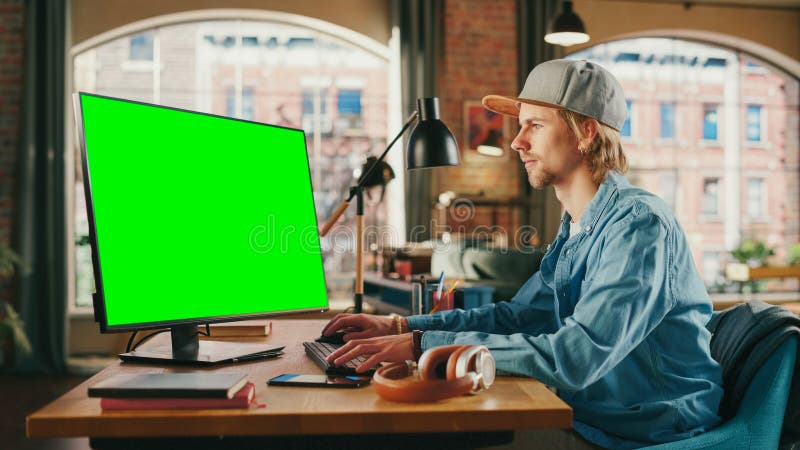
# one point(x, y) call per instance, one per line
point(399, 325)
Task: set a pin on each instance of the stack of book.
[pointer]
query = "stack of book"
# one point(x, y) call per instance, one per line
point(195, 390)
point(237, 329)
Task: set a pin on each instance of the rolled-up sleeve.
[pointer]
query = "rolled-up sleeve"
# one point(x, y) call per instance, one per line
point(629, 295)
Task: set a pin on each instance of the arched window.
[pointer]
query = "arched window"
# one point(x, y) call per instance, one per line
point(714, 132)
point(275, 72)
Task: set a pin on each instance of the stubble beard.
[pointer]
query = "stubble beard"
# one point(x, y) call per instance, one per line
point(539, 179)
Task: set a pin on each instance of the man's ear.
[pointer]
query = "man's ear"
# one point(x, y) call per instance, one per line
point(590, 128)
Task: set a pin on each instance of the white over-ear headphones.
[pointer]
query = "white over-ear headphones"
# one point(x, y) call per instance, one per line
point(444, 372)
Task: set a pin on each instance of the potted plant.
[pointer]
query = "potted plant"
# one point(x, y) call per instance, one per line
point(754, 253)
point(794, 254)
point(13, 340)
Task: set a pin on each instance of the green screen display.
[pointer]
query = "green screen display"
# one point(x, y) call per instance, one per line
point(197, 216)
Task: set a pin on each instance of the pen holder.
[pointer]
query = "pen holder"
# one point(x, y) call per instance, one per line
point(429, 301)
point(441, 302)
point(464, 297)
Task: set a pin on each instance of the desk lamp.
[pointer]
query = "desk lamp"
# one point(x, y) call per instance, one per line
point(431, 144)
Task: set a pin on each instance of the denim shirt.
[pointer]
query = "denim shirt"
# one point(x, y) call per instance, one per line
point(614, 320)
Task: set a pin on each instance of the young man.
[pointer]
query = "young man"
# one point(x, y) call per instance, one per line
point(615, 318)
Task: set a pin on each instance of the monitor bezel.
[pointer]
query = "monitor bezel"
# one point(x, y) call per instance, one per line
point(98, 297)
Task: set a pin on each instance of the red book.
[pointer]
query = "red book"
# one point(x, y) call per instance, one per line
point(241, 399)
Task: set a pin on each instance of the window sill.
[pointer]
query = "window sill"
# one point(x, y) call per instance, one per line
point(756, 220)
point(665, 141)
point(81, 312)
point(756, 145)
point(708, 143)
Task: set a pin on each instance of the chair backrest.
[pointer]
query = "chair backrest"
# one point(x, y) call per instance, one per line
point(764, 403)
point(759, 416)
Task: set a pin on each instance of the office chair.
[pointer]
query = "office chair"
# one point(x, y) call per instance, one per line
point(758, 421)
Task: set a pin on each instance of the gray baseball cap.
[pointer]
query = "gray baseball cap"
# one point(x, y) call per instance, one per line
point(580, 86)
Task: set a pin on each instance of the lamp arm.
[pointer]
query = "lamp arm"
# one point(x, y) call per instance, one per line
point(361, 180)
point(339, 210)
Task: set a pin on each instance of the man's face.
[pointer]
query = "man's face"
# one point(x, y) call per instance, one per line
point(546, 146)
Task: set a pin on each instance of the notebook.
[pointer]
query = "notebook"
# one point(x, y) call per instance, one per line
point(241, 399)
point(170, 385)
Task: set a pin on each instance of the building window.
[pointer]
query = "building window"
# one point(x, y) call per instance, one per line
point(715, 62)
point(711, 196)
point(309, 115)
point(753, 123)
point(667, 120)
point(308, 101)
point(668, 185)
point(248, 103)
point(141, 47)
point(626, 127)
point(249, 41)
point(710, 122)
point(349, 101)
point(756, 198)
point(348, 104)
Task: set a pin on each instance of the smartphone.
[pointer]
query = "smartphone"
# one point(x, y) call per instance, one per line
point(338, 381)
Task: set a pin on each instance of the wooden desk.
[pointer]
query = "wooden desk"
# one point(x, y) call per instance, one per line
point(511, 404)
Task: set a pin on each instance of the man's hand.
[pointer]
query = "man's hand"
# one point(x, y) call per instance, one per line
point(360, 326)
point(378, 349)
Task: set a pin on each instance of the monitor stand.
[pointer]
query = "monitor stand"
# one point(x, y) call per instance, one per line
point(187, 348)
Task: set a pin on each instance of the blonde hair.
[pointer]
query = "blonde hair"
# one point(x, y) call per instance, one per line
point(604, 153)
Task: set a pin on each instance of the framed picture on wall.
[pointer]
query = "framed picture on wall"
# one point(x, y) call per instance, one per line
point(485, 132)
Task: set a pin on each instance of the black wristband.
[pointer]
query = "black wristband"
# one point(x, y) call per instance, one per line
point(416, 339)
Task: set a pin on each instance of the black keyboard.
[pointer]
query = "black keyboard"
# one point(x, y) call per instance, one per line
point(318, 351)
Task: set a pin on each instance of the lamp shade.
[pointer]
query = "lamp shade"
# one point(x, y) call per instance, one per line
point(566, 29)
point(431, 143)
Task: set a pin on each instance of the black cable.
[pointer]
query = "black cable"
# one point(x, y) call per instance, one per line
point(128, 347)
point(149, 336)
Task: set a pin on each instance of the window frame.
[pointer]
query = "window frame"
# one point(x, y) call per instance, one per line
point(331, 30)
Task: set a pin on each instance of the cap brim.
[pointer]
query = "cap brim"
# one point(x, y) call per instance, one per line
point(508, 105)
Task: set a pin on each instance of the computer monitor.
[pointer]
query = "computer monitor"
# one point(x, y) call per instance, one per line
point(193, 219)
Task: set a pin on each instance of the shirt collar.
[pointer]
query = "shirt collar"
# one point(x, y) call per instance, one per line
point(600, 202)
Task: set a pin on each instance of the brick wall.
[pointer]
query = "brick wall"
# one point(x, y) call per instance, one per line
point(11, 49)
point(480, 58)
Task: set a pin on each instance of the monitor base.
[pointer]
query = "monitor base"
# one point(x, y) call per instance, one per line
point(209, 353)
